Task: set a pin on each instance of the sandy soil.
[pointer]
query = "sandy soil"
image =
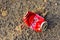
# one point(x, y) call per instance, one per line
point(15, 11)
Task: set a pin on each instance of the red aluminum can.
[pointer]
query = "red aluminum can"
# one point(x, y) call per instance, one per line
point(34, 21)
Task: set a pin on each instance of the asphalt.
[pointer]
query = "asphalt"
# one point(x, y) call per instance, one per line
point(16, 9)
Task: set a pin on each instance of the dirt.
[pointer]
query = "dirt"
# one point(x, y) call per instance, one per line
point(15, 11)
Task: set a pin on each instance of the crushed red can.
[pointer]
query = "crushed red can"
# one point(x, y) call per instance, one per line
point(34, 21)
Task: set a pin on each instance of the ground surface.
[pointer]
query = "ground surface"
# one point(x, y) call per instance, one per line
point(17, 8)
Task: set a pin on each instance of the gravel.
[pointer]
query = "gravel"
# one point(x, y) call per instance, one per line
point(17, 8)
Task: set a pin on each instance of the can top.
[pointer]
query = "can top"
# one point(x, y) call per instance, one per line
point(44, 26)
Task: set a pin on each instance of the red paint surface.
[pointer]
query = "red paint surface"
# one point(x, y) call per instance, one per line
point(33, 21)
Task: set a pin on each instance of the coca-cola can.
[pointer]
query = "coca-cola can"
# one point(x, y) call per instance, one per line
point(35, 21)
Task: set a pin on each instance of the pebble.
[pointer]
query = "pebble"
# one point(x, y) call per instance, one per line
point(56, 4)
point(4, 13)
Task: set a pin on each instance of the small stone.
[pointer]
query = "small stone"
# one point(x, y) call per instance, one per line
point(4, 13)
point(45, 0)
point(56, 4)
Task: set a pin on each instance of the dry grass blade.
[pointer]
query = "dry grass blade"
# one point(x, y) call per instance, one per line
point(45, 13)
point(18, 29)
point(13, 0)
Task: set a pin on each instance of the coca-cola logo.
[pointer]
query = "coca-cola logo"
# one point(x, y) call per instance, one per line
point(34, 22)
